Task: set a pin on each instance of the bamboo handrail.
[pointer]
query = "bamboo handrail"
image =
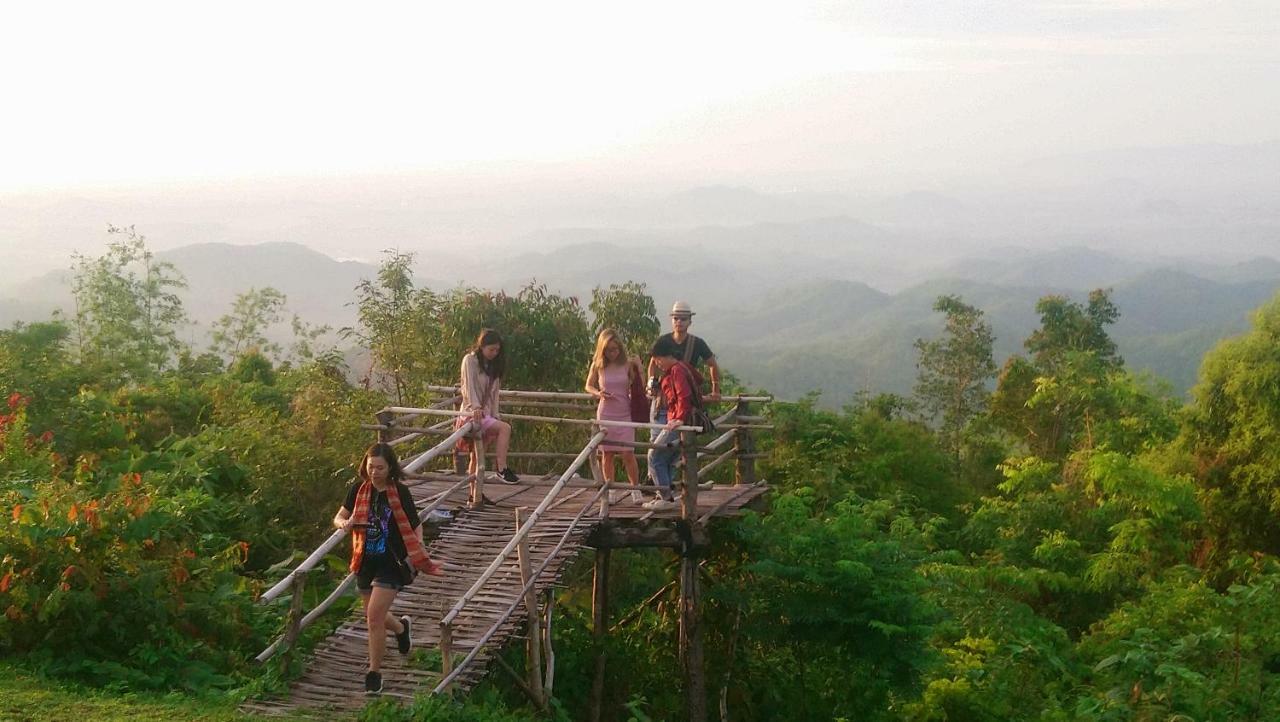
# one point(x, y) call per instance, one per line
point(552, 419)
point(524, 529)
point(328, 544)
point(705, 470)
point(521, 394)
point(519, 597)
point(345, 585)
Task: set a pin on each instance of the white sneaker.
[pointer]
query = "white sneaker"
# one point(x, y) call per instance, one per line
point(636, 497)
point(707, 486)
point(659, 504)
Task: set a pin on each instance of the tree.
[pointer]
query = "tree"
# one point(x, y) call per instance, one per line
point(954, 370)
point(251, 314)
point(397, 325)
point(1233, 430)
point(628, 309)
point(1053, 401)
point(1066, 327)
point(127, 311)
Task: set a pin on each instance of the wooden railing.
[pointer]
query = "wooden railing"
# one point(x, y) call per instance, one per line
point(737, 423)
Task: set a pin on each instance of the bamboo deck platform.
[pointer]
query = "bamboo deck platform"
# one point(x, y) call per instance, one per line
point(333, 684)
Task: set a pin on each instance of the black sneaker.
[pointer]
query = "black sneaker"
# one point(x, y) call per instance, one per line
point(403, 639)
point(373, 683)
point(508, 476)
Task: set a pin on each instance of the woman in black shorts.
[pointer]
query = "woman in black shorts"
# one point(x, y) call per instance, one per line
point(386, 550)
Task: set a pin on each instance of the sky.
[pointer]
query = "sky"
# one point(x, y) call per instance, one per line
point(777, 95)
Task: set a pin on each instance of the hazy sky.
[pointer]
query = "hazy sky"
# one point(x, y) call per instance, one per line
point(773, 94)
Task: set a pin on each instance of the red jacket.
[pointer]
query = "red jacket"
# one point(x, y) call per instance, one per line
point(678, 391)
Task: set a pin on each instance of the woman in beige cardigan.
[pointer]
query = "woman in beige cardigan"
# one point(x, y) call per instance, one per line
point(482, 370)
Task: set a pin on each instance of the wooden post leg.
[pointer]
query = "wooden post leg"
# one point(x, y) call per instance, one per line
point(599, 628)
point(477, 484)
point(548, 652)
point(744, 464)
point(691, 657)
point(384, 419)
point(533, 650)
point(689, 503)
point(294, 624)
point(446, 649)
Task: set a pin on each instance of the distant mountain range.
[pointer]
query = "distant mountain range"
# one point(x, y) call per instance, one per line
point(791, 307)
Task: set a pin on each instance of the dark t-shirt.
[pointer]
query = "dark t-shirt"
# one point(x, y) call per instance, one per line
point(382, 524)
point(701, 351)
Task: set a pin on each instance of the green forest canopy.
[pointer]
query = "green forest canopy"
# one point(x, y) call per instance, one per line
point(1073, 543)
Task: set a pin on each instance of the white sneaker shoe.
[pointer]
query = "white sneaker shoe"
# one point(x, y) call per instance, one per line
point(636, 497)
point(660, 504)
point(706, 486)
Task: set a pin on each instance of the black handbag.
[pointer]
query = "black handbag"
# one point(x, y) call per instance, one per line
point(406, 571)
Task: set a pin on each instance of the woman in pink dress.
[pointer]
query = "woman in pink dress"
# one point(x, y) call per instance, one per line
point(611, 377)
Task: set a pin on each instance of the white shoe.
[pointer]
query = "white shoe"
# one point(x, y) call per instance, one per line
point(707, 486)
point(659, 504)
point(636, 497)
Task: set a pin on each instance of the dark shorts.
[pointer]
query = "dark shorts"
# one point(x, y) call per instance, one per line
point(378, 572)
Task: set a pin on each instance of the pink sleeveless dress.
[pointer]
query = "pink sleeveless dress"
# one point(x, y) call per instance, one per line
point(614, 379)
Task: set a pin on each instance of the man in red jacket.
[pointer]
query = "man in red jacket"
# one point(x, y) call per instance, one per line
point(678, 391)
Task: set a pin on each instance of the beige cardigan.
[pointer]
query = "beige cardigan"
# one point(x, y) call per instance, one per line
point(474, 384)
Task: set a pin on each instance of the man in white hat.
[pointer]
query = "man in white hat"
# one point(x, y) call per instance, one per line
point(691, 349)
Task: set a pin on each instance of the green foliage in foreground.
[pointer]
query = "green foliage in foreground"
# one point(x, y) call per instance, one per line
point(1084, 550)
point(34, 698)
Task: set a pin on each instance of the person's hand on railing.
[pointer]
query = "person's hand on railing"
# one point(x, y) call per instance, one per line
point(348, 524)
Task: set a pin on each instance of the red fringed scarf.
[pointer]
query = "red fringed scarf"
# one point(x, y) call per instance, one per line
point(417, 555)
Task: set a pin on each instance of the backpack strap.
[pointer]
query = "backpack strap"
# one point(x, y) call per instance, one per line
point(688, 349)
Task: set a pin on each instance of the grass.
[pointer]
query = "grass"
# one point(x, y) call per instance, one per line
point(28, 697)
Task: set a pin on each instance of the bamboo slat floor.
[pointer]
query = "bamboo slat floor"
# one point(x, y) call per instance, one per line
point(334, 679)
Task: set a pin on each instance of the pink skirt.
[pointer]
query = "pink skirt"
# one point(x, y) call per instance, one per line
point(617, 433)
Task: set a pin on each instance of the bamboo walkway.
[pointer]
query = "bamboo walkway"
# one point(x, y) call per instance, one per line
point(334, 679)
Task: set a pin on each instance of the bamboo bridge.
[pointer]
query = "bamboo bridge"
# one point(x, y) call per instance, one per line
point(504, 550)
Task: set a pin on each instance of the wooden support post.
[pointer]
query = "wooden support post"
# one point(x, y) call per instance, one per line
point(384, 419)
point(597, 474)
point(599, 628)
point(294, 624)
point(533, 651)
point(477, 484)
point(744, 446)
point(446, 649)
point(548, 652)
point(691, 657)
point(689, 503)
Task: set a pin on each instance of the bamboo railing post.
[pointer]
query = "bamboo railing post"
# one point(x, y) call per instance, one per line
point(533, 651)
point(294, 624)
point(385, 418)
point(744, 465)
point(446, 649)
point(548, 652)
point(689, 502)
point(477, 484)
point(599, 628)
point(691, 656)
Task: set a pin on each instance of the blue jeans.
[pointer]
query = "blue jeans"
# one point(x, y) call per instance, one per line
point(662, 462)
